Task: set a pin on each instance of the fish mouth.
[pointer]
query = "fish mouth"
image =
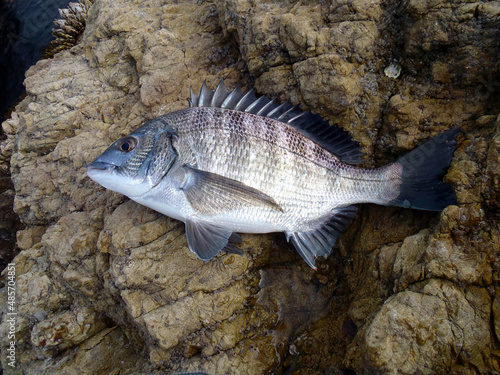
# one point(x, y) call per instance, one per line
point(98, 165)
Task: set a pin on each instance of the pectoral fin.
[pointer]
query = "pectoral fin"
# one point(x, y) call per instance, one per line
point(206, 239)
point(211, 194)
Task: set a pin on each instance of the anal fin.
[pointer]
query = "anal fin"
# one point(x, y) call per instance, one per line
point(320, 241)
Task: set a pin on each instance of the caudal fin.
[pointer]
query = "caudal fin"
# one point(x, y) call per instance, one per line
point(423, 169)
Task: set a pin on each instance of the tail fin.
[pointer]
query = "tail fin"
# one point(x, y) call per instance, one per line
point(423, 169)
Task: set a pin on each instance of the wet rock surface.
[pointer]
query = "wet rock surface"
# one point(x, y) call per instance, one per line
point(108, 286)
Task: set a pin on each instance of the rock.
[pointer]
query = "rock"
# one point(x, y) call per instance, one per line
point(104, 284)
point(431, 323)
point(9, 221)
point(66, 330)
point(107, 351)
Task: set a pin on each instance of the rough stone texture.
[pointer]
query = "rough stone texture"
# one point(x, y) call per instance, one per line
point(9, 221)
point(105, 285)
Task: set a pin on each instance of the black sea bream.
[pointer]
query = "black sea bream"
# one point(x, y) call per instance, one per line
point(232, 162)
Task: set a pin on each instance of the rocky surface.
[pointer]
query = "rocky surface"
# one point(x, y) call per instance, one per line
point(108, 286)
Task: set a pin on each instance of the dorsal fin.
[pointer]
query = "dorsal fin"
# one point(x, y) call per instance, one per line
point(336, 140)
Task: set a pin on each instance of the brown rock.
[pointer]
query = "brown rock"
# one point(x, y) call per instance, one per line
point(104, 284)
point(423, 329)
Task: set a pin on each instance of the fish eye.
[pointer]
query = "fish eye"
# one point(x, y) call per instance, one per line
point(127, 144)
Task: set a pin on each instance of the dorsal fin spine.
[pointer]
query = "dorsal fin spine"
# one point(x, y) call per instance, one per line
point(193, 98)
point(332, 138)
point(221, 92)
point(242, 104)
point(256, 106)
point(264, 110)
point(205, 98)
point(286, 113)
point(233, 98)
point(277, 109)
point(295, 118)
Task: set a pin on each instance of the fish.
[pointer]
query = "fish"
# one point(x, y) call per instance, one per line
point(234, 162)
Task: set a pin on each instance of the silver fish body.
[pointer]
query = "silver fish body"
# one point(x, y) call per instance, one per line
point(237, 163)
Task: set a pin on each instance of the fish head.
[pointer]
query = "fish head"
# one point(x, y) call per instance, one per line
point(134, 164)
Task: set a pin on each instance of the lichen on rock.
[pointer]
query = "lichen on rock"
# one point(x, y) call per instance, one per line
point(104, 284)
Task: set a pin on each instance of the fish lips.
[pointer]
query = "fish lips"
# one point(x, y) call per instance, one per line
point(99, 165)
point(98, 169)
point(109, 176)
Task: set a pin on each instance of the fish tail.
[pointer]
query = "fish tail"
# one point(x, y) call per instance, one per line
point(422, 171)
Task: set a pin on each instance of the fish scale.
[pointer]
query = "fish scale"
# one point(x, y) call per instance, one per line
point(220, 138)
point(232, 162)
point(276, 156)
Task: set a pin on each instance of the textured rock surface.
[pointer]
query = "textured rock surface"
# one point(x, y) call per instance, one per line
point(107, 285)
point(9, 222)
